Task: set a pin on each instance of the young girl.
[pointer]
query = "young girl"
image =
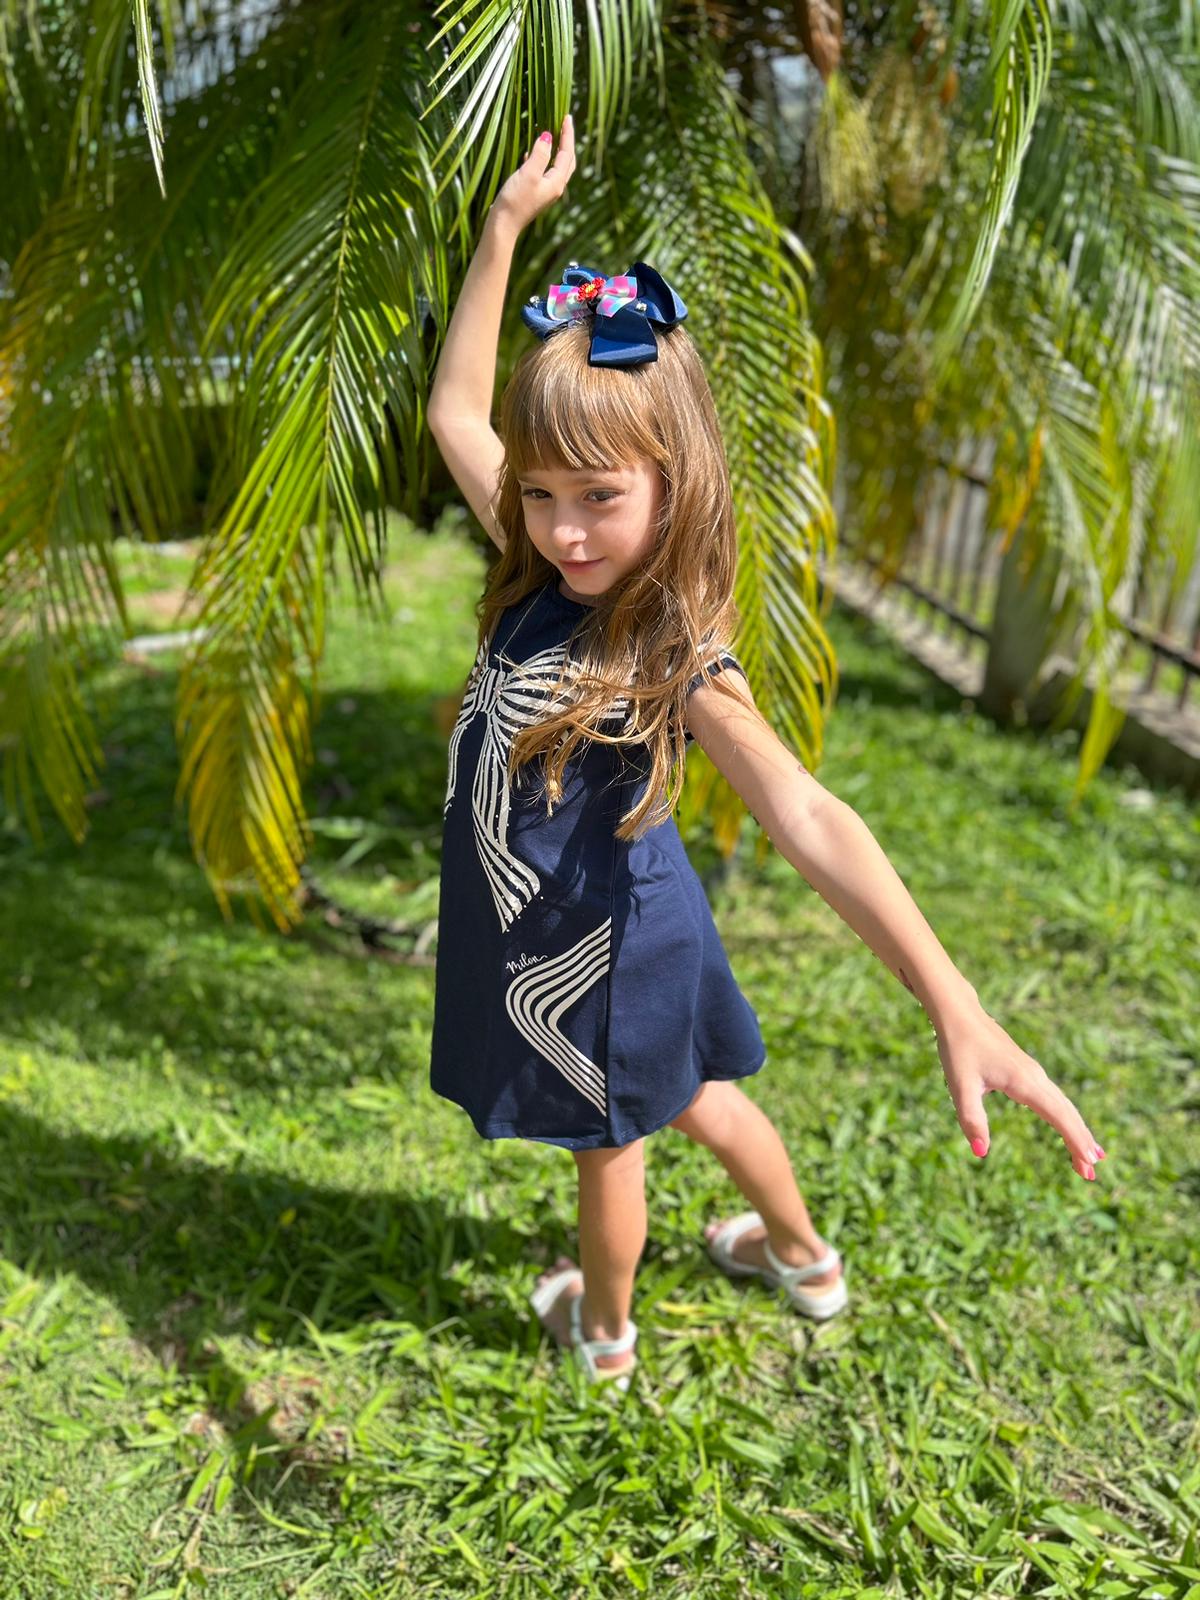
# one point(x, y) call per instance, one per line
point(583, 996)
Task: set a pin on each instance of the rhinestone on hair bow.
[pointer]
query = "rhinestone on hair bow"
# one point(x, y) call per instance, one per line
point(625, 310)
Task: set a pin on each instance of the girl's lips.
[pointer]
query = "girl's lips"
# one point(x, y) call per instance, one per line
point(578, 566)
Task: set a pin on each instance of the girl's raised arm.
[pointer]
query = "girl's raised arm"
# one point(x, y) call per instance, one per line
point(460, 402)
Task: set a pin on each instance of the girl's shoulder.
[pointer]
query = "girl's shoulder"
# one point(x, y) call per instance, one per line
point(715, 656)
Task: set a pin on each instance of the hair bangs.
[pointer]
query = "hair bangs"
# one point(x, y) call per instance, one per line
point(563, 413)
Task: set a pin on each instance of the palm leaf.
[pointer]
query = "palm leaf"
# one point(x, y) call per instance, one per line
point(346, 235)
point(1087, 328)
point(45, 725)
point(1019, 67)
point(108, 407)
point(511, 68)
point(151, 108)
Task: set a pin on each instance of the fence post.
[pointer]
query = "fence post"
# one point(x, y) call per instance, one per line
point(1024, 633)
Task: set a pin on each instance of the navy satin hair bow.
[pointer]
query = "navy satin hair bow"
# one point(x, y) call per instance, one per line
point(626, 311)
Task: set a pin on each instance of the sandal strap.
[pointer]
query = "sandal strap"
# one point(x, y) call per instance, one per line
point(728, 1234)
point(732, 1229)
point(547, 1293)
point(814, 1269)
point(589, 1349)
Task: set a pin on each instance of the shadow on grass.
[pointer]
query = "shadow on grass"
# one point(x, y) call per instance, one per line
point(101, 942)
point(116, 952)
point(191, 1254)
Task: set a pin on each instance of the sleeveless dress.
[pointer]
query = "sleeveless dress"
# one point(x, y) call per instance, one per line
point(582, 992)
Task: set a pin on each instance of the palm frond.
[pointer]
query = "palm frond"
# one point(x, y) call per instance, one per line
point(619, 37)
point(346, 235)
point(1121, 210)
point(1082, 337)
point(45, 724)
point(1106, 247)
point(511, 68)
point(106, 404)
point(1089, 512)
point(147, 80)
point(1019, 66)
point(705, 210)
point(244, 720)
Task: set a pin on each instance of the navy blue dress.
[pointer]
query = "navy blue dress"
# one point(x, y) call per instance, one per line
point(583, 994)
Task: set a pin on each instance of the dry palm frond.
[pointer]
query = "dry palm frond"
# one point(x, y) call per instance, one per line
point(910, 130)
point(844, 153)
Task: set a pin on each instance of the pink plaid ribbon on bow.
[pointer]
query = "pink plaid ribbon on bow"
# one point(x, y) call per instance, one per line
point(564, 301)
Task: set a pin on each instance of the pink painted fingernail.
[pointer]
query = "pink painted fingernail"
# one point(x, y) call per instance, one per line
point(1089, 1173)
point(979, 1148)
point(543, 136)
point(1100, 1151)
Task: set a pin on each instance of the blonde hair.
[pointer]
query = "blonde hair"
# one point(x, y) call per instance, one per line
point(667, 620)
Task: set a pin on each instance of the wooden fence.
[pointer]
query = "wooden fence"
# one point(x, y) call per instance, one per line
point(942, 601)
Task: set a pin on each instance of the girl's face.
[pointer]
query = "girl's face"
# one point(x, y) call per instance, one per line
point(594, 526)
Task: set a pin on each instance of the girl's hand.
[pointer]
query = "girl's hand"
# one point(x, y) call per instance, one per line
point(538, 182)
point(978, 1057)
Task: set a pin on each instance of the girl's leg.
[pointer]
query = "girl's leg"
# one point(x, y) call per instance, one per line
point(746, 1143)
point(612, 1235)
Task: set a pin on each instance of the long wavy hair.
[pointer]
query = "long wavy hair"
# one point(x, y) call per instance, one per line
point(649, 634)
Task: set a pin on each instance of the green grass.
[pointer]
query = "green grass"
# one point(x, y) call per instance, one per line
point(263, 1320)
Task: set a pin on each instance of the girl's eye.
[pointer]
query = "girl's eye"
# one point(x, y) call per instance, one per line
point(608, 494)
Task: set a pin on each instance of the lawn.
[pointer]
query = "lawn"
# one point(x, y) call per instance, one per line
point(263, 1319)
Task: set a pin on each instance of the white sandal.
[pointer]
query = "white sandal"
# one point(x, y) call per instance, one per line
point(543, 1298)
point(818, 1303)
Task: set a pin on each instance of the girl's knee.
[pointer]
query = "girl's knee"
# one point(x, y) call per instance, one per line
point(712, 1117)
point(612, 1158)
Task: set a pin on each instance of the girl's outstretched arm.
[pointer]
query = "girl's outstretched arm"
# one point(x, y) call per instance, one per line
point(460, 402)
point(831, 846)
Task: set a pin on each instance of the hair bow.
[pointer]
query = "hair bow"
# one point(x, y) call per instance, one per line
point(627, 310)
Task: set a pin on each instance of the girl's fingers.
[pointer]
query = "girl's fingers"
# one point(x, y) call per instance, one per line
point(563, 163)
point(1041, 1094)
point(565, 155)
